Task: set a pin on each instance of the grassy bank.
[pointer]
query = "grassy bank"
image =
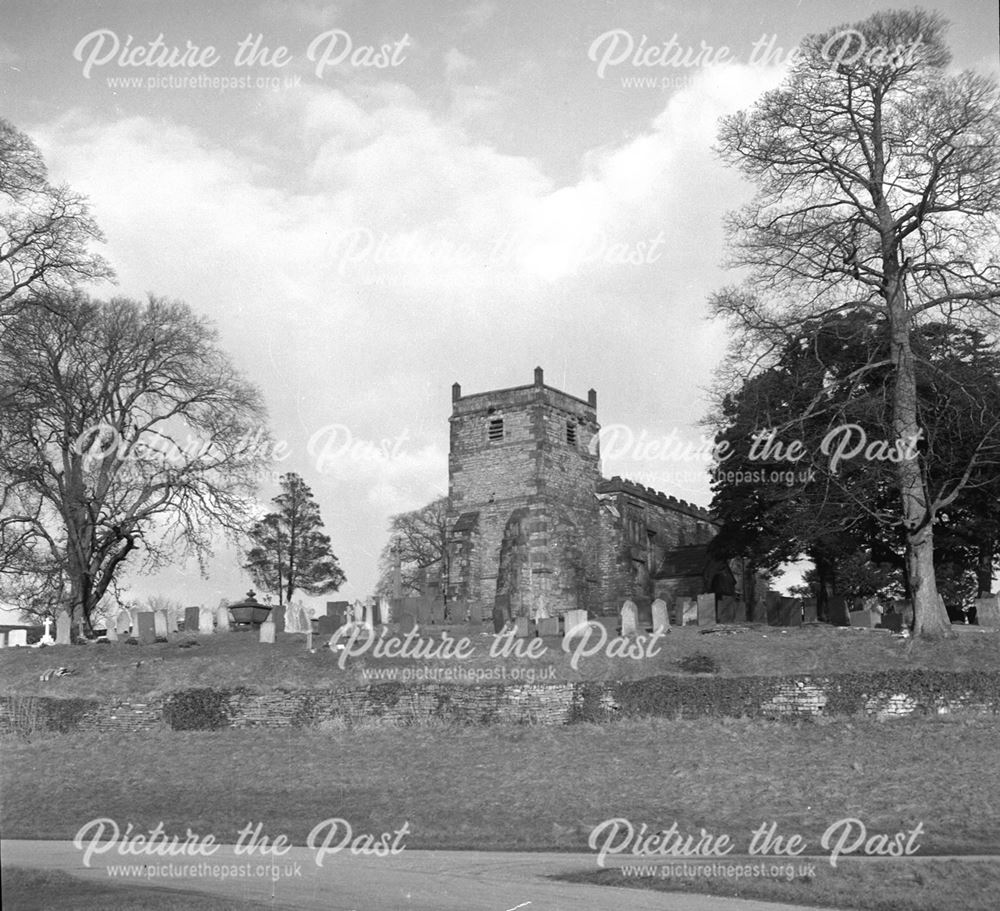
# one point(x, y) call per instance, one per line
point(239, 660)
point(521, 787)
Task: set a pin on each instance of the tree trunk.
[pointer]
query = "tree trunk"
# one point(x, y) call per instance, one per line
point(930, 619)
point(984, 567)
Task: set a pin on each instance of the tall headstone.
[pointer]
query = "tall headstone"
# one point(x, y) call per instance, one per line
point(862, 618)
point(475, 618)
point(267, 632)
point(17, 638)
point(499, 618)
point(123, 623)
point(706, 609)
point(522, 628)
point(223, 623)
point(424, 611)
point(191, 617)
point(160, 624)
point(147, 628)
point(206, 621)
point(789, 611)
point(173, 620)
point(111, 633)
point(988, 612)
point(809, 614)
point(278, 618)
point(574, 622)
point(407, 622)
point(772, 608)
point(302, 619)
point(63, 625)
point(630, 619)
point(689, 612)
point(661, 616)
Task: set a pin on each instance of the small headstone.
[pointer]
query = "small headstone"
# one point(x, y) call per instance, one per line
point(111, 633)
point(661, 615)
point(706, 609)
point(160, 624)
point(407, 622)
point(206, 621)
point(223, 623)
point(475, 618)
point(423, 606)
point(327, 626)
point(892, 622)
point(339, 612)
point(988, 612)
point(548, 626)
point(191, 617)
point(147, 628)
point(740, 612)
point(772, 608)
point(522, 628)
point(437, 610)
point(809, 614)
point(574, 622)
point(63, 625)
point(267, 632)
point(124, 623)
point(17, 638)
point(630, 619)
point(789, 612)
point(172, 621)
point(278, 618)
point(689, 612)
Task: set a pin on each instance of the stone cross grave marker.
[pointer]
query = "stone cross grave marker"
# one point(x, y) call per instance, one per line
point(630, 619)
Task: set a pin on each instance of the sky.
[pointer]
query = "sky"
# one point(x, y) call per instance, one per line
point(373, 200)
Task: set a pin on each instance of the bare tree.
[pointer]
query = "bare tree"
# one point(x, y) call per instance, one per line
point(418, 542)
point(45, 230)
point(878, 177)
point(126, 431)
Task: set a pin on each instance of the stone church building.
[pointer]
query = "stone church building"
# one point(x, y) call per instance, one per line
point(535, 528)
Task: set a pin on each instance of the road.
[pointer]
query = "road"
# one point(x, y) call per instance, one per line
point(411, 880)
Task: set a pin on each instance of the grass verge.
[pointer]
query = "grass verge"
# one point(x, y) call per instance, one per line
point(507, 787)
point(52, 890)
point(898, 885)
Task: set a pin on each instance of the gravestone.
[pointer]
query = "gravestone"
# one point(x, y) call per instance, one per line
point(630, 619)
point(267, 632)
point(437, 610)
point(206, 621)
point(327, 626)
point(172, 621)
point(548, 626)
point(522, 628)
point(423, 611)
point(191, 617)
point(740, 611)
point(475, 618)
point(706, 609)
point(222, 621)
point(725, 610)
point(574, 622)
point(862, 618)
point(499, 618)
point(278, 618)
point(339, 612)
point(63, 628)
point(789, 611)
point(892, 622)
point(837, 608)
point(160, 624)
point(689, 612)
point(660, 615)
point(376, 614)
point(809, 610)
point(147, 627)
point(407, 622)
point(772, 609)
point(17, 638)
point(111, 633)
point(133, 613)
point(124, 623)
point(988, 612)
